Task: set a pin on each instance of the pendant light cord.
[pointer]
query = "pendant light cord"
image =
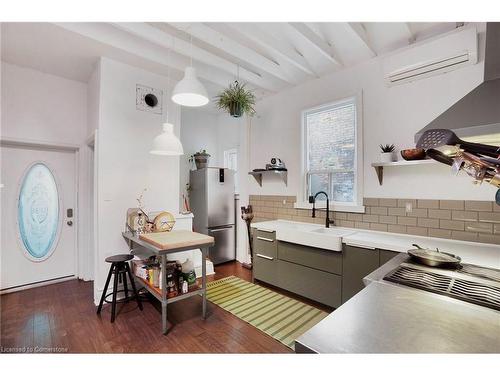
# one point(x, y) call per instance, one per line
point(168, 76)
point(191, 49)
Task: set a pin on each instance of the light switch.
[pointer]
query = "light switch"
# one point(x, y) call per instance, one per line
point(408, 207)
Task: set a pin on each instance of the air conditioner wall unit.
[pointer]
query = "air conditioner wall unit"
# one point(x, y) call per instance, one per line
point(429, 58)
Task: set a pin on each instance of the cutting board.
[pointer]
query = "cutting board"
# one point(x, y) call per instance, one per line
point(177, 239)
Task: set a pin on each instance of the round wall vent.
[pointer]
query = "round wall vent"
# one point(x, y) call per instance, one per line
point(149, 99)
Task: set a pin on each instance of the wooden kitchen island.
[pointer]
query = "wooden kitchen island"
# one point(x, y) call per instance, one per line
point(162, 244)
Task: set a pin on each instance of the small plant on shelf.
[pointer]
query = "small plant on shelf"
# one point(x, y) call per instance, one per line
point(387, 148)
point(387, 154)
point(236, 100)
point(200, 159)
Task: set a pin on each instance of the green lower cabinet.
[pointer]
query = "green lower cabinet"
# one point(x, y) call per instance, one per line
point(325, 276)
point(320, 286)
point(386, 255)
point(265, 262)
point(320, 259)
point(265, 269)
point(357, 263)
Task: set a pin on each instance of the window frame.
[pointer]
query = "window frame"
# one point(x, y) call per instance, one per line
point(357, 205)
point(60, 219)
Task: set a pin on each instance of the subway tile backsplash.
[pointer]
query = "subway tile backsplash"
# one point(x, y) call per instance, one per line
point(477, 221)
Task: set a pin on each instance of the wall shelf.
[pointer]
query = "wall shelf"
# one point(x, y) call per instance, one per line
point(258, 175)
point(379, 167)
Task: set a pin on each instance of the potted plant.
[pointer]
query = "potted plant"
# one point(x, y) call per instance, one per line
point(387, 154)
point(200, 159)
point(236, 100)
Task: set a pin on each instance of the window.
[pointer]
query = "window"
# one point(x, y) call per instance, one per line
point(331, 160)
point(231, 162)
point(38, 212)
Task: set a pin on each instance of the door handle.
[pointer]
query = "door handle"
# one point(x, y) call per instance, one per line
point(265, 239)
point(264, 256)
point(69, 222)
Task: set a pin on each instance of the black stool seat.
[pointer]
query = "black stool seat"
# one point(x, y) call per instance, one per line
point(119, 258)
point(119, 269)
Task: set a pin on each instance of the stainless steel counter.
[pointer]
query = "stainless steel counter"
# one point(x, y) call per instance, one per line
point(389, 318)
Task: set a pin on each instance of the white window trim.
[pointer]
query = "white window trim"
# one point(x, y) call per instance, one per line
point(357, 206)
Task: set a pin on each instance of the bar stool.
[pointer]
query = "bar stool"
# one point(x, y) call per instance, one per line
point(120, 269)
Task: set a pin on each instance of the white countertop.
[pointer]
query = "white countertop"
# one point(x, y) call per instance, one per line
point(487, 255)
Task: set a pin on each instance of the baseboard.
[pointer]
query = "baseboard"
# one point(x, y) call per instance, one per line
point(38, 284)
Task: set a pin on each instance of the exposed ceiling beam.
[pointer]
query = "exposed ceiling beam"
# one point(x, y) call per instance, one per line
point(359, 30)
point(111, 36)
point(232, 48)
point(266, 40)
point(411, 34)
point(324, 48)
point(182, 47)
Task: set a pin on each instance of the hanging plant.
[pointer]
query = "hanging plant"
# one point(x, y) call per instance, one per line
point(236, 100)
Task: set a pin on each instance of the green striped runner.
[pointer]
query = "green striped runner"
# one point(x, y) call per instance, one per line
point(280, 317)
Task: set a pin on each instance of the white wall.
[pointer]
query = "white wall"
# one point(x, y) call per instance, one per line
point(93, 99)
point(390, 115)
point(42, 107)
point(198, 132)
point(47, 109)
point(124, 165)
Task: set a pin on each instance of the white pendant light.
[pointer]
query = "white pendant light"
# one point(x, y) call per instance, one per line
point(189, 91)
point(167, 143)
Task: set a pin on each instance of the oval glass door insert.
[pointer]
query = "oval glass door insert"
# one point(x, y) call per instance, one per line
point(38, 212)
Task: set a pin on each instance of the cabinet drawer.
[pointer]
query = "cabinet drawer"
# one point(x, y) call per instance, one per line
point(264, 245)
point(317, 285)
point(325, 260)
point(269, 234)
point(265, 269)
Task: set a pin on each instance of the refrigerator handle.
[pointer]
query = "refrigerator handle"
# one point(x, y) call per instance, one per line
point(220, 229)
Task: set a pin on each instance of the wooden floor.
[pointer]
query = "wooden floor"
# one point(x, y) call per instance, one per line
point(62, 316)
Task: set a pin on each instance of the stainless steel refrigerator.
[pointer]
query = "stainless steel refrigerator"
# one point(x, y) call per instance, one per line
point(212, 202)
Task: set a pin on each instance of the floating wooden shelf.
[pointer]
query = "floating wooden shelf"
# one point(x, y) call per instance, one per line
point(258, 175)
point(379, 167)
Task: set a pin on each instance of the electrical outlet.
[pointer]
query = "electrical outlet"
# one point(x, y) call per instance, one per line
point(284, 202)
point(408, 207)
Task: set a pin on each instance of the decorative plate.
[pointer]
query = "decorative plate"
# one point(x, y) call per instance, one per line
point(164, 222)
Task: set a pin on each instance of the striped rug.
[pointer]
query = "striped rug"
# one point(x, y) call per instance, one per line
point(280, 317)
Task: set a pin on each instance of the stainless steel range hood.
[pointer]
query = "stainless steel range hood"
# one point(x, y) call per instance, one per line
point(477, 115)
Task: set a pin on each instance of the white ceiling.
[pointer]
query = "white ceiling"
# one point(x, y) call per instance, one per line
point(269, 56)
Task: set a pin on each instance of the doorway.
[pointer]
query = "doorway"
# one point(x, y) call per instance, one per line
point(39, 217)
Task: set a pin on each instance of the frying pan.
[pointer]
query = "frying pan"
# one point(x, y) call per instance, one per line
point(434, 258)
point(440, 137)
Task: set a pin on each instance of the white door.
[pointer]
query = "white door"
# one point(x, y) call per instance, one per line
point(38, 201)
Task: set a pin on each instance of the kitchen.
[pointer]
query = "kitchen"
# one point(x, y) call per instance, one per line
point(233, 193)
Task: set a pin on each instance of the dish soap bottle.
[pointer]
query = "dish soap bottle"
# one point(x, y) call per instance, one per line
point(188, 272)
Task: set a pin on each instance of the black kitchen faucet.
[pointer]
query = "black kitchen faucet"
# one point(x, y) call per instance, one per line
point(312, 199)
